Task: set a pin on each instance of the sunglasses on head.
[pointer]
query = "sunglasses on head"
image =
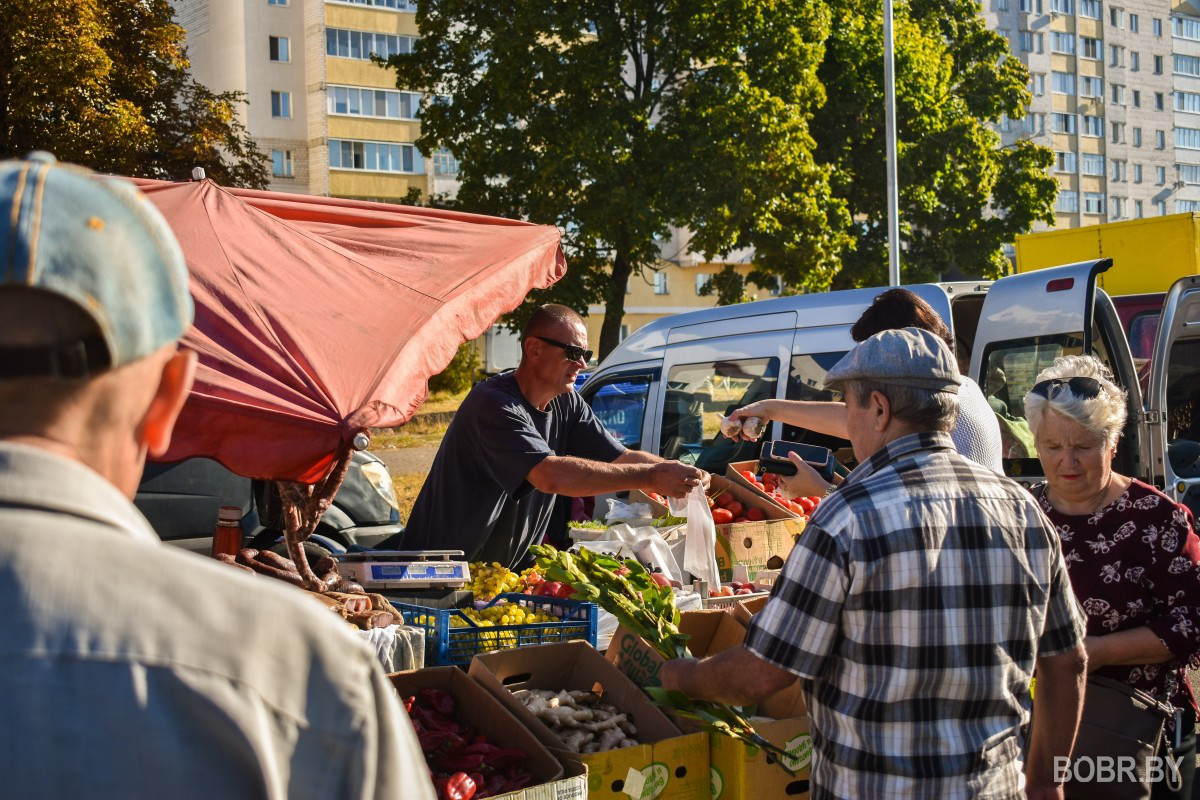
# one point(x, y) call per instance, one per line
point(572, 352)
point(1083, 387)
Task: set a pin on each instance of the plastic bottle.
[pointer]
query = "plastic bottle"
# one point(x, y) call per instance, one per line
point(227, 536)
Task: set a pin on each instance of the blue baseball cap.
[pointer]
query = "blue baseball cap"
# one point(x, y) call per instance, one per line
point(98, 242)
point(907, 356)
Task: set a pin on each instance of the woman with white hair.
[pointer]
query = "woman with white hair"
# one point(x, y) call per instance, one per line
point(1131, 552)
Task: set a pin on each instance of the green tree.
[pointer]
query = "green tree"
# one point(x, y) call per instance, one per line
point(615, 121)
point(104, 83)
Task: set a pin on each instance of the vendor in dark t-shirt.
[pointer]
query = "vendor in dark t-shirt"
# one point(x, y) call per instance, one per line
point(519, 439)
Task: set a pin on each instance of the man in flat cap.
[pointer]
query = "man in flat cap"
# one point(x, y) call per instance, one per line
point(915, 607)
point(128, 668)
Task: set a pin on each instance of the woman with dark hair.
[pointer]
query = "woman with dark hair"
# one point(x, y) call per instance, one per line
point(976, 435)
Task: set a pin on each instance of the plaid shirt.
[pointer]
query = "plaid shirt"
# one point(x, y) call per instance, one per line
point(914, 607)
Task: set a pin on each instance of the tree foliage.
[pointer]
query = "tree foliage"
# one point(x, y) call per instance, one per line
point(104, 83)
point(615, 121)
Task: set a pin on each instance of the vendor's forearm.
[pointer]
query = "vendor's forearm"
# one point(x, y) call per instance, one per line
point(638, 457)
point(821, 417)
point(735, 676)
point(579, 477)
point(1134, 646)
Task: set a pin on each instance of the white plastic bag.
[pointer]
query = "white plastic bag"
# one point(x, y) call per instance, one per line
point(700, 549)
point(627, 512)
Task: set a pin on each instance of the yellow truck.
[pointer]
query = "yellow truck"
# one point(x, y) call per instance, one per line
point(1148, 255)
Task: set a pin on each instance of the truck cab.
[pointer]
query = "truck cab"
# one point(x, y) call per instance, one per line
point(665, 388)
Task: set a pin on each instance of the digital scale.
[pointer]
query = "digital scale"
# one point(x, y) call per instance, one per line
point(376, 570)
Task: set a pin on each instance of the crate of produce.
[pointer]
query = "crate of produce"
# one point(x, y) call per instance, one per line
point(453, 636)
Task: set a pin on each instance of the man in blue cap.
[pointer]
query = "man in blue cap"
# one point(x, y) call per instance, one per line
point(915, 607)
point(127, 668)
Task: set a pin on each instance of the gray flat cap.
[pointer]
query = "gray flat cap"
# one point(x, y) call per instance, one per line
point(909, 357)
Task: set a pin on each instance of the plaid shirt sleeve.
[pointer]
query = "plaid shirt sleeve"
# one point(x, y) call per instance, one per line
point(1065, 626)
point(799, 625)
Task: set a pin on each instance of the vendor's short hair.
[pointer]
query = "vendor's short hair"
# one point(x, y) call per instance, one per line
point(549, 316)
point(900, 308)
point(923, 409)
point(1104, 415)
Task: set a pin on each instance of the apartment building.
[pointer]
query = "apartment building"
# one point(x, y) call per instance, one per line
point(333, 121)
point(1106, 80)
point(1185, 67)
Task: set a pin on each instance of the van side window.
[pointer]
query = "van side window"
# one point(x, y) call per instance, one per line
point(1143, 329)
point(698, 395)
point(806, 382)
point(1183, 408)
point(1010, 369)
point(620, 405)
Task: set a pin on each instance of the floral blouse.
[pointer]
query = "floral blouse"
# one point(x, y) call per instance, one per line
point(1134, 563)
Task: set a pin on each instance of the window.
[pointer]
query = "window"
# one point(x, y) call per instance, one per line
point(281, 164)
point(1116, 55)
point(1116, 207)
point(1184, 206)
point(281, 104)
point(1118, 132)
point(1063, 123)
point(1187, 138)
point(1093, 202)
point(806, 382)
point(620, 405)
point(1026, 41)
point(1062, 6)
point(1093, 126)
point(1089, 8)
point(1138, 210)
point(701, 282)
point(1025, 6)
point(1133, 23)
point(1183, 405)
point(362, 44)
point(1137, 137)
point(1002, 5)
point(1091, 48)
point(383, 103)
point(1062, 82)
point(1186, 65)
point(1116, 17)
point(1184, 28)
point(1064, 161)
point(1189, 174)
point(1065, 43)
point(1037, 84)
point(1118, 93)
point(1161, 208)
point(1160, 175)
point(1160, 140)
point(1159, 104)
point(277, 2)
point(1187, 101)
point(1137, 99)
point(1067, 202)
point(1091, 87)
point(691, 415)
point(1135, 61)
point(1093, 164)
point(375, 156)
point(1003, 32)
point(1137, 173)
point(1118, 170)
point(1156, 27)
point(444, 163)
point(1038, 38)
point(660, 283)
point(398, 5)
point(278, 48)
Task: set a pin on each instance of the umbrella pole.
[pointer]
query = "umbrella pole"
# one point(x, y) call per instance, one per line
point(303, 506)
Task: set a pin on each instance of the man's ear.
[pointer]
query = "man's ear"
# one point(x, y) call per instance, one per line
point(881, 411)
point(173, 387)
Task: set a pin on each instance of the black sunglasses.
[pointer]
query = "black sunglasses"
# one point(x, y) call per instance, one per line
point(1083, 387)
point(572, 352)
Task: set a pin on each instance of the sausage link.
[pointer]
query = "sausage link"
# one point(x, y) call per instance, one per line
point(275, 560)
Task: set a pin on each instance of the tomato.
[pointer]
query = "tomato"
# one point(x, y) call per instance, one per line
point(721, 516)
point(755, 514)
point(748, 475)
point(816, 500)
point(726, 591)
point(806, 503)
point(745, 590)
point(735, 508)
point(794, 506)
point(740, 519)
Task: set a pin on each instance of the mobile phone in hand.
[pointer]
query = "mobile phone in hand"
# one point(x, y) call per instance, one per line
point(774, 458)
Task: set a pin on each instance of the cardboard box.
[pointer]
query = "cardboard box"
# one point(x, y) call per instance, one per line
point(657, 509)
point(733, 472)
point(669, 765)
point(747, 608)
point(756, 545)
point(711, 631)
point(479, 709)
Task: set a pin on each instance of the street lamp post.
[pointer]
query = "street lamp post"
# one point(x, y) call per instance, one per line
point(889, 82)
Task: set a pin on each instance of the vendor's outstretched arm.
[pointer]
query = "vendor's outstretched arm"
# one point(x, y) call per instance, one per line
point(821, 417)
point(638, 457)
point(579, 477)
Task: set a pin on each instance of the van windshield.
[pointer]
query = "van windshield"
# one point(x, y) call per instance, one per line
point(807, 382)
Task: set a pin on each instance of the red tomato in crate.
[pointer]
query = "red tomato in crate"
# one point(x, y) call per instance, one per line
point(735, 508)
point(740, 519)
point(748, 475)
point(806, 503)
point(755, 514)
point(721, 516)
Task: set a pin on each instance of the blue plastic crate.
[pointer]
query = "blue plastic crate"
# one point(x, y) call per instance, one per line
point(447, 645)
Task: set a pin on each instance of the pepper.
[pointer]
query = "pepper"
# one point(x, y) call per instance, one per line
point(437, 699)
point(408, 703)
point(458, 786)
